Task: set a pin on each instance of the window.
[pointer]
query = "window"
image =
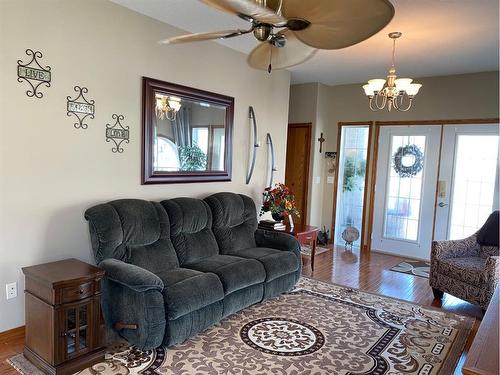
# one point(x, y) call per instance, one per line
point(166, 155)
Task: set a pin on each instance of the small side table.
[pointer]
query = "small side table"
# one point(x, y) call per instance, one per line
point(305, 234)
point(64, 327)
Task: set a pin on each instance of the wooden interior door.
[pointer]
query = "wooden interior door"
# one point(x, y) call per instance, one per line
point(298, 150)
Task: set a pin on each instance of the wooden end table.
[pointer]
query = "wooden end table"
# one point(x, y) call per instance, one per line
point(305, 234)
point(64, 327)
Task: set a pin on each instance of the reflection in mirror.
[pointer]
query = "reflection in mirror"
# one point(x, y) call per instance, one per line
point(188, 135)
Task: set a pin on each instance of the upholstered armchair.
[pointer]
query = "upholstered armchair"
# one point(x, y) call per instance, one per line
point(468, 268)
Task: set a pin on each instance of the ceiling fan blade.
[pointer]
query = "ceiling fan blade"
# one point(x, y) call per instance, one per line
point(199, 37)
point(249, 10)
point(338, 23)
point(293, 53)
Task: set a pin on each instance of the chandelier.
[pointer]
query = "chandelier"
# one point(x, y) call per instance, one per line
point(167, 107)
point(398, 93)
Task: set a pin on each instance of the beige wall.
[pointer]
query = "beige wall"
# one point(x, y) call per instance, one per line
point(464, 96)
point(51, 172)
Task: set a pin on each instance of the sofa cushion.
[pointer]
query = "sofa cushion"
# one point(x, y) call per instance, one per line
point(469, 270)
point(134, 231)
point(276, 263)
point(191, 229)
point(188, 290)
point(234, 221)
point(234, 272)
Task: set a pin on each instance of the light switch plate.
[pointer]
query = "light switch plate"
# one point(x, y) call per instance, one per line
point(11, 290)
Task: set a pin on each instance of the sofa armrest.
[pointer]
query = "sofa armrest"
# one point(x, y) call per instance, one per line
point(467, 247)
point(136, 278)
point(277, 240)
point(133, 303)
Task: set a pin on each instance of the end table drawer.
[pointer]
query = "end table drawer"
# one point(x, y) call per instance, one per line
point(76, 292)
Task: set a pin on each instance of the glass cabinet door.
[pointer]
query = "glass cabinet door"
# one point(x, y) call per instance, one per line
point(76, 322)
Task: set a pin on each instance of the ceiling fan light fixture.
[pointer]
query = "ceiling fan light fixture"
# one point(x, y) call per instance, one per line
point(262, 32)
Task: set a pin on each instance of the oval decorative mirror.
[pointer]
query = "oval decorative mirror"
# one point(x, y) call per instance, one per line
point(187, 134)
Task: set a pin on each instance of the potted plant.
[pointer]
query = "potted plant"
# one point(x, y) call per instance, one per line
point(192, 158)
point(280, 201)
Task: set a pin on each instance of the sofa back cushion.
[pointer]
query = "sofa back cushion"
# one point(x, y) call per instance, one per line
point(134, 231)
point(191, 229)
point(234, 221)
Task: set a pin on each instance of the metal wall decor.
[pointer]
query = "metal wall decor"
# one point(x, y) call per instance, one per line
point(117, 133)
point(408, 160)
point(33, 73)
point(321, 140)
point(81, 107)
point(271, 162)
point(251, 115)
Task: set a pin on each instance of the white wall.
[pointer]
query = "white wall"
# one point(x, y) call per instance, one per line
point(465, 96)
point(51, 172)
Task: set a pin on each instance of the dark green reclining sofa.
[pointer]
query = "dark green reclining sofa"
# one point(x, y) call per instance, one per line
point(175, 268)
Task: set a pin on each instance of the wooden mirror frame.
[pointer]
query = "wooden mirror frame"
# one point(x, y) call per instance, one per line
point(149, 176)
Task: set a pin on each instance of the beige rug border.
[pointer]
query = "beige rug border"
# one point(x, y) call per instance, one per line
point(450, 361)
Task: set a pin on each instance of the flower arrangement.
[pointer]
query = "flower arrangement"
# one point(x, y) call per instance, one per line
point(280, 201)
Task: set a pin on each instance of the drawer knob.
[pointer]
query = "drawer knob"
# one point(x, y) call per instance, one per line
point(64, 334)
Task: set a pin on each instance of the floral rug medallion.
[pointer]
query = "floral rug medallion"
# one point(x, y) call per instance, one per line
point(318, 328)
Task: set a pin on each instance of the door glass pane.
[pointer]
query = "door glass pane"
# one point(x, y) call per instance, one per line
point(404, 193)
point(71, 333)
point(83, 328)
point(351, 181)
point(474, 177)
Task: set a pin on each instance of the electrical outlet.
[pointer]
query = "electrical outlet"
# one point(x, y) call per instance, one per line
point(11, 290)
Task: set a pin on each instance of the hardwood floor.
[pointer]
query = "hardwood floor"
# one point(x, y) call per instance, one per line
point(362, 270)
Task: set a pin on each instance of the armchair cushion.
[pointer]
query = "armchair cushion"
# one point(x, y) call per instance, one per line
point(136, 278)
point(276, 263)
point(468, 270)
point(235, 273)
point(188, 290)
point(488, 234)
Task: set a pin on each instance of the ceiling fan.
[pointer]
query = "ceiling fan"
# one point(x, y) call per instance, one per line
point(291, 31)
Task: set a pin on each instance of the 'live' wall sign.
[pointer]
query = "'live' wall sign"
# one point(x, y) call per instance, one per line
point(34, 73)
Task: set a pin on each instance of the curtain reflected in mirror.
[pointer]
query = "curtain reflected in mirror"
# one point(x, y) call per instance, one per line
point(190, 139)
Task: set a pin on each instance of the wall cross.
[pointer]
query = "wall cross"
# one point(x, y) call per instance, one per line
point(321, 140)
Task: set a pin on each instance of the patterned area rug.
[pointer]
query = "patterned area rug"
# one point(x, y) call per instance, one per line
point(413, 267)
point(306, 250)
point(318, 328)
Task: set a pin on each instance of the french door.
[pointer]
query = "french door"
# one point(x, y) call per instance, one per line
point(404, 197)
point(468, 180)
point(447, 195)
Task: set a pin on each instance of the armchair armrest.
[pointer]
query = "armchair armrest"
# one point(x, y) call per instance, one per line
point(492, 272)
point(467, 247)
point(136, 278)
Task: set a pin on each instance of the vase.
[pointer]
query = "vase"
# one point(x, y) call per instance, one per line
point(277, 217)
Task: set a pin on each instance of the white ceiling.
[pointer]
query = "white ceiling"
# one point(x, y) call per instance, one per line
point(440, 37)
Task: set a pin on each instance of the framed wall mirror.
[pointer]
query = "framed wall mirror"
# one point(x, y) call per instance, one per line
point(187, 134)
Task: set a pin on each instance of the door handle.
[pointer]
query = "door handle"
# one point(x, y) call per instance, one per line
point(442, 204)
